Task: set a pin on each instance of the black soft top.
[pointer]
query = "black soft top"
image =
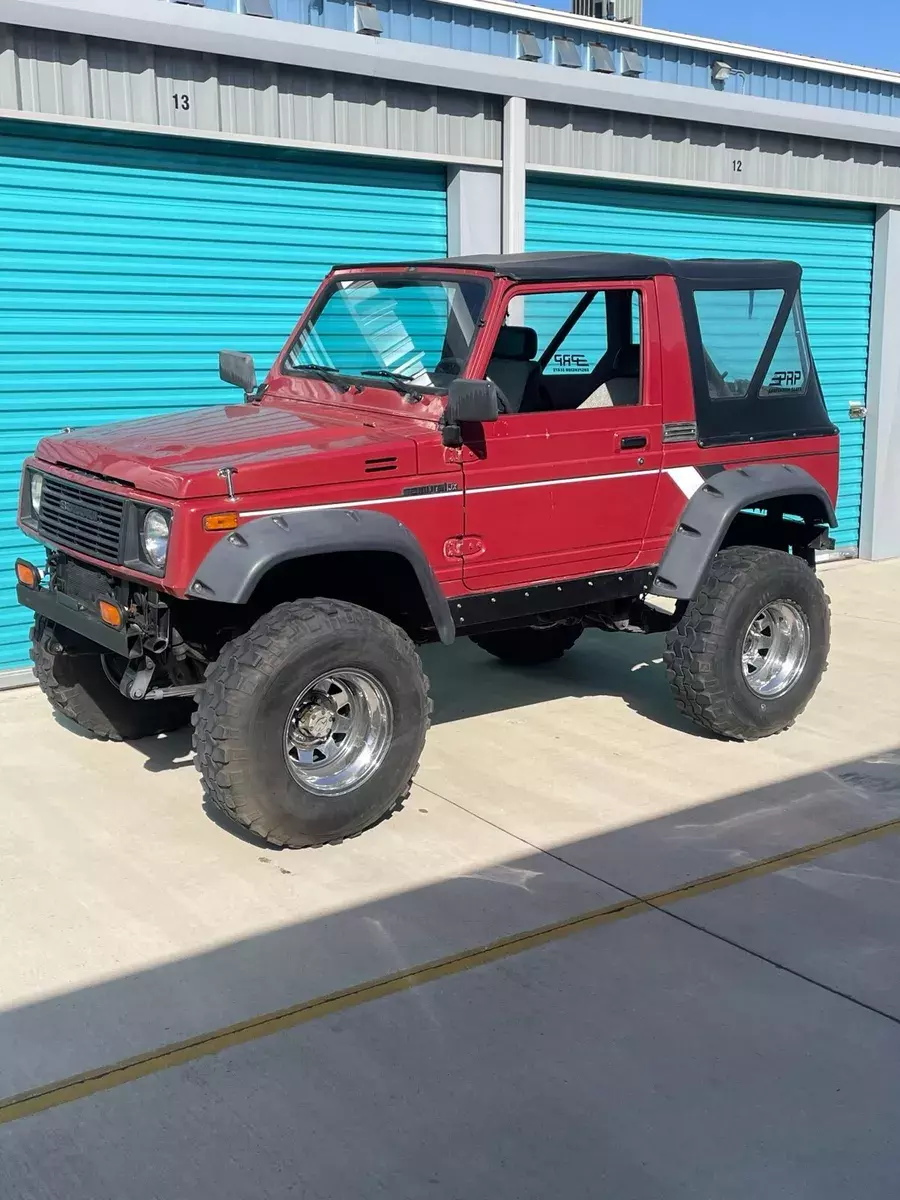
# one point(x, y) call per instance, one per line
point(583, 265)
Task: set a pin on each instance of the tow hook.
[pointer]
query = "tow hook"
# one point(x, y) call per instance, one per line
point(52, 644)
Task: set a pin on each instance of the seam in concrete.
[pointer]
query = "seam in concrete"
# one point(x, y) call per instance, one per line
point(106, 1078)
point(658, 903)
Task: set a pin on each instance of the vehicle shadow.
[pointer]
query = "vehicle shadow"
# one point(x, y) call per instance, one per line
point(563, 1060)
point(467, 682)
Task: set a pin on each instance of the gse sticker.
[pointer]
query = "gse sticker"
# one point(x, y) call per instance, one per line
point(573, 363)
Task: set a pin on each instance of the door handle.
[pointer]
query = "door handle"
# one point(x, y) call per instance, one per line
point(635, 442)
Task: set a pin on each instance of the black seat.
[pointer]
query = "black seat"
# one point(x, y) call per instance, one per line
point(512, 367)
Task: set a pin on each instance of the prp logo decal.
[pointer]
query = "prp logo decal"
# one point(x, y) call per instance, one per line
point(786, 380)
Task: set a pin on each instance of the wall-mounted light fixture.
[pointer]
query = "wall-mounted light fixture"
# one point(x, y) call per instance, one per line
point(721, 71)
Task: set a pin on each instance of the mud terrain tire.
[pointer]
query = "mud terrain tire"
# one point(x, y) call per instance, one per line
point(78, 688)
point(254, 696)
point(705, 651)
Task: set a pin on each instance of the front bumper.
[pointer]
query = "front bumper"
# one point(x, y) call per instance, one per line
point(73, 614)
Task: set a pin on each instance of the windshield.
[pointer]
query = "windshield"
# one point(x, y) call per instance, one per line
point(414, 331)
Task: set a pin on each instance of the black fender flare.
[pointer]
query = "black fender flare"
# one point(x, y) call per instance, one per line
point(703, 524)
point(238, 561)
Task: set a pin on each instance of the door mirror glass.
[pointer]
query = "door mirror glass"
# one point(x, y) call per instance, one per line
point(238, 369)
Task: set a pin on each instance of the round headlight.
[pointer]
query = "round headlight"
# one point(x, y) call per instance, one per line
point(37, 488)
point(155, 537)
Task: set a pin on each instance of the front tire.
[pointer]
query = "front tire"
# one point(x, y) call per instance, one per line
point(532, 646)
point(310, 726)
point(77, 687)
point(749, 651)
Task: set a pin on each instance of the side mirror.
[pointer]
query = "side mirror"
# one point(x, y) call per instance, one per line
point(469, 400)
point(238, 369)
point(472, 400)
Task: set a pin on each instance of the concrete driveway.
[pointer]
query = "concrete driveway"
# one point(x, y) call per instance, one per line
point(597, 954)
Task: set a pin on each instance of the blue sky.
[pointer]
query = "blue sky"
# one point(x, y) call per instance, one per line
point(866, 32)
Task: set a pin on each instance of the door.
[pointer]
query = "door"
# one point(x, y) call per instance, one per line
point(129, 262)
point(563, 483)
point(833, 243)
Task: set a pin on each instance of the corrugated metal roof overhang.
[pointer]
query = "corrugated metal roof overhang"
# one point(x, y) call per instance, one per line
point(208, 31)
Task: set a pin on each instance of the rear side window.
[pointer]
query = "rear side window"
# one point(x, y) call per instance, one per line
point(753, 374)
point(788, 372)
point(734, 329)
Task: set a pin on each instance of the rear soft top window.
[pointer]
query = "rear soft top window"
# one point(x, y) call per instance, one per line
point(753, 374)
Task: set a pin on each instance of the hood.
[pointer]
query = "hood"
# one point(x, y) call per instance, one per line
point(270, 446)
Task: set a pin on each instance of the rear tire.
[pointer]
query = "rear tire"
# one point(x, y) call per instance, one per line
point(310, 726)
point(749, 651)
point(532, 646)
point(78, 688)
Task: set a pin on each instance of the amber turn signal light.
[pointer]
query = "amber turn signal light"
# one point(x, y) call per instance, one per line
point(111, 614)
point(213, 522)
point(27, 575)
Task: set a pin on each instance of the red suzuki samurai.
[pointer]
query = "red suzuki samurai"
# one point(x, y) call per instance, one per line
point(509, 448)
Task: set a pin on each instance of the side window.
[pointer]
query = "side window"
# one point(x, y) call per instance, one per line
point(788, 373)
point(584, 344)
point(569, 349)
point(734, 329)
point(636, 327)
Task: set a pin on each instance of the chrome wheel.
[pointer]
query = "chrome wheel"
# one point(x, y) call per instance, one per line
point(775, 650)
point(338, 732)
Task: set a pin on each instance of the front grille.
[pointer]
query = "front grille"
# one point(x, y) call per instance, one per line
point(81, 519)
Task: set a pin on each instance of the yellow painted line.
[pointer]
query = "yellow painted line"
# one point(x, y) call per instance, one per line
point(103, 1079)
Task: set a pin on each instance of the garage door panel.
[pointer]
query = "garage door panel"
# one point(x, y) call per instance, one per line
point(834, 245)
point(127, 264)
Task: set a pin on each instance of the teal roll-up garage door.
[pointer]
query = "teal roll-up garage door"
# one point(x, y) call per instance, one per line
point(126, 265)
point(833, 244)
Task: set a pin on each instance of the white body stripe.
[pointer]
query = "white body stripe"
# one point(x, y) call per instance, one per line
point(280, 512)
point(688, 480)
point(520, 487)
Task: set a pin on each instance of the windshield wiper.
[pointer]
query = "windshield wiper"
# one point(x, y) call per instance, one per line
point(329, 374)
point(400, 381)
